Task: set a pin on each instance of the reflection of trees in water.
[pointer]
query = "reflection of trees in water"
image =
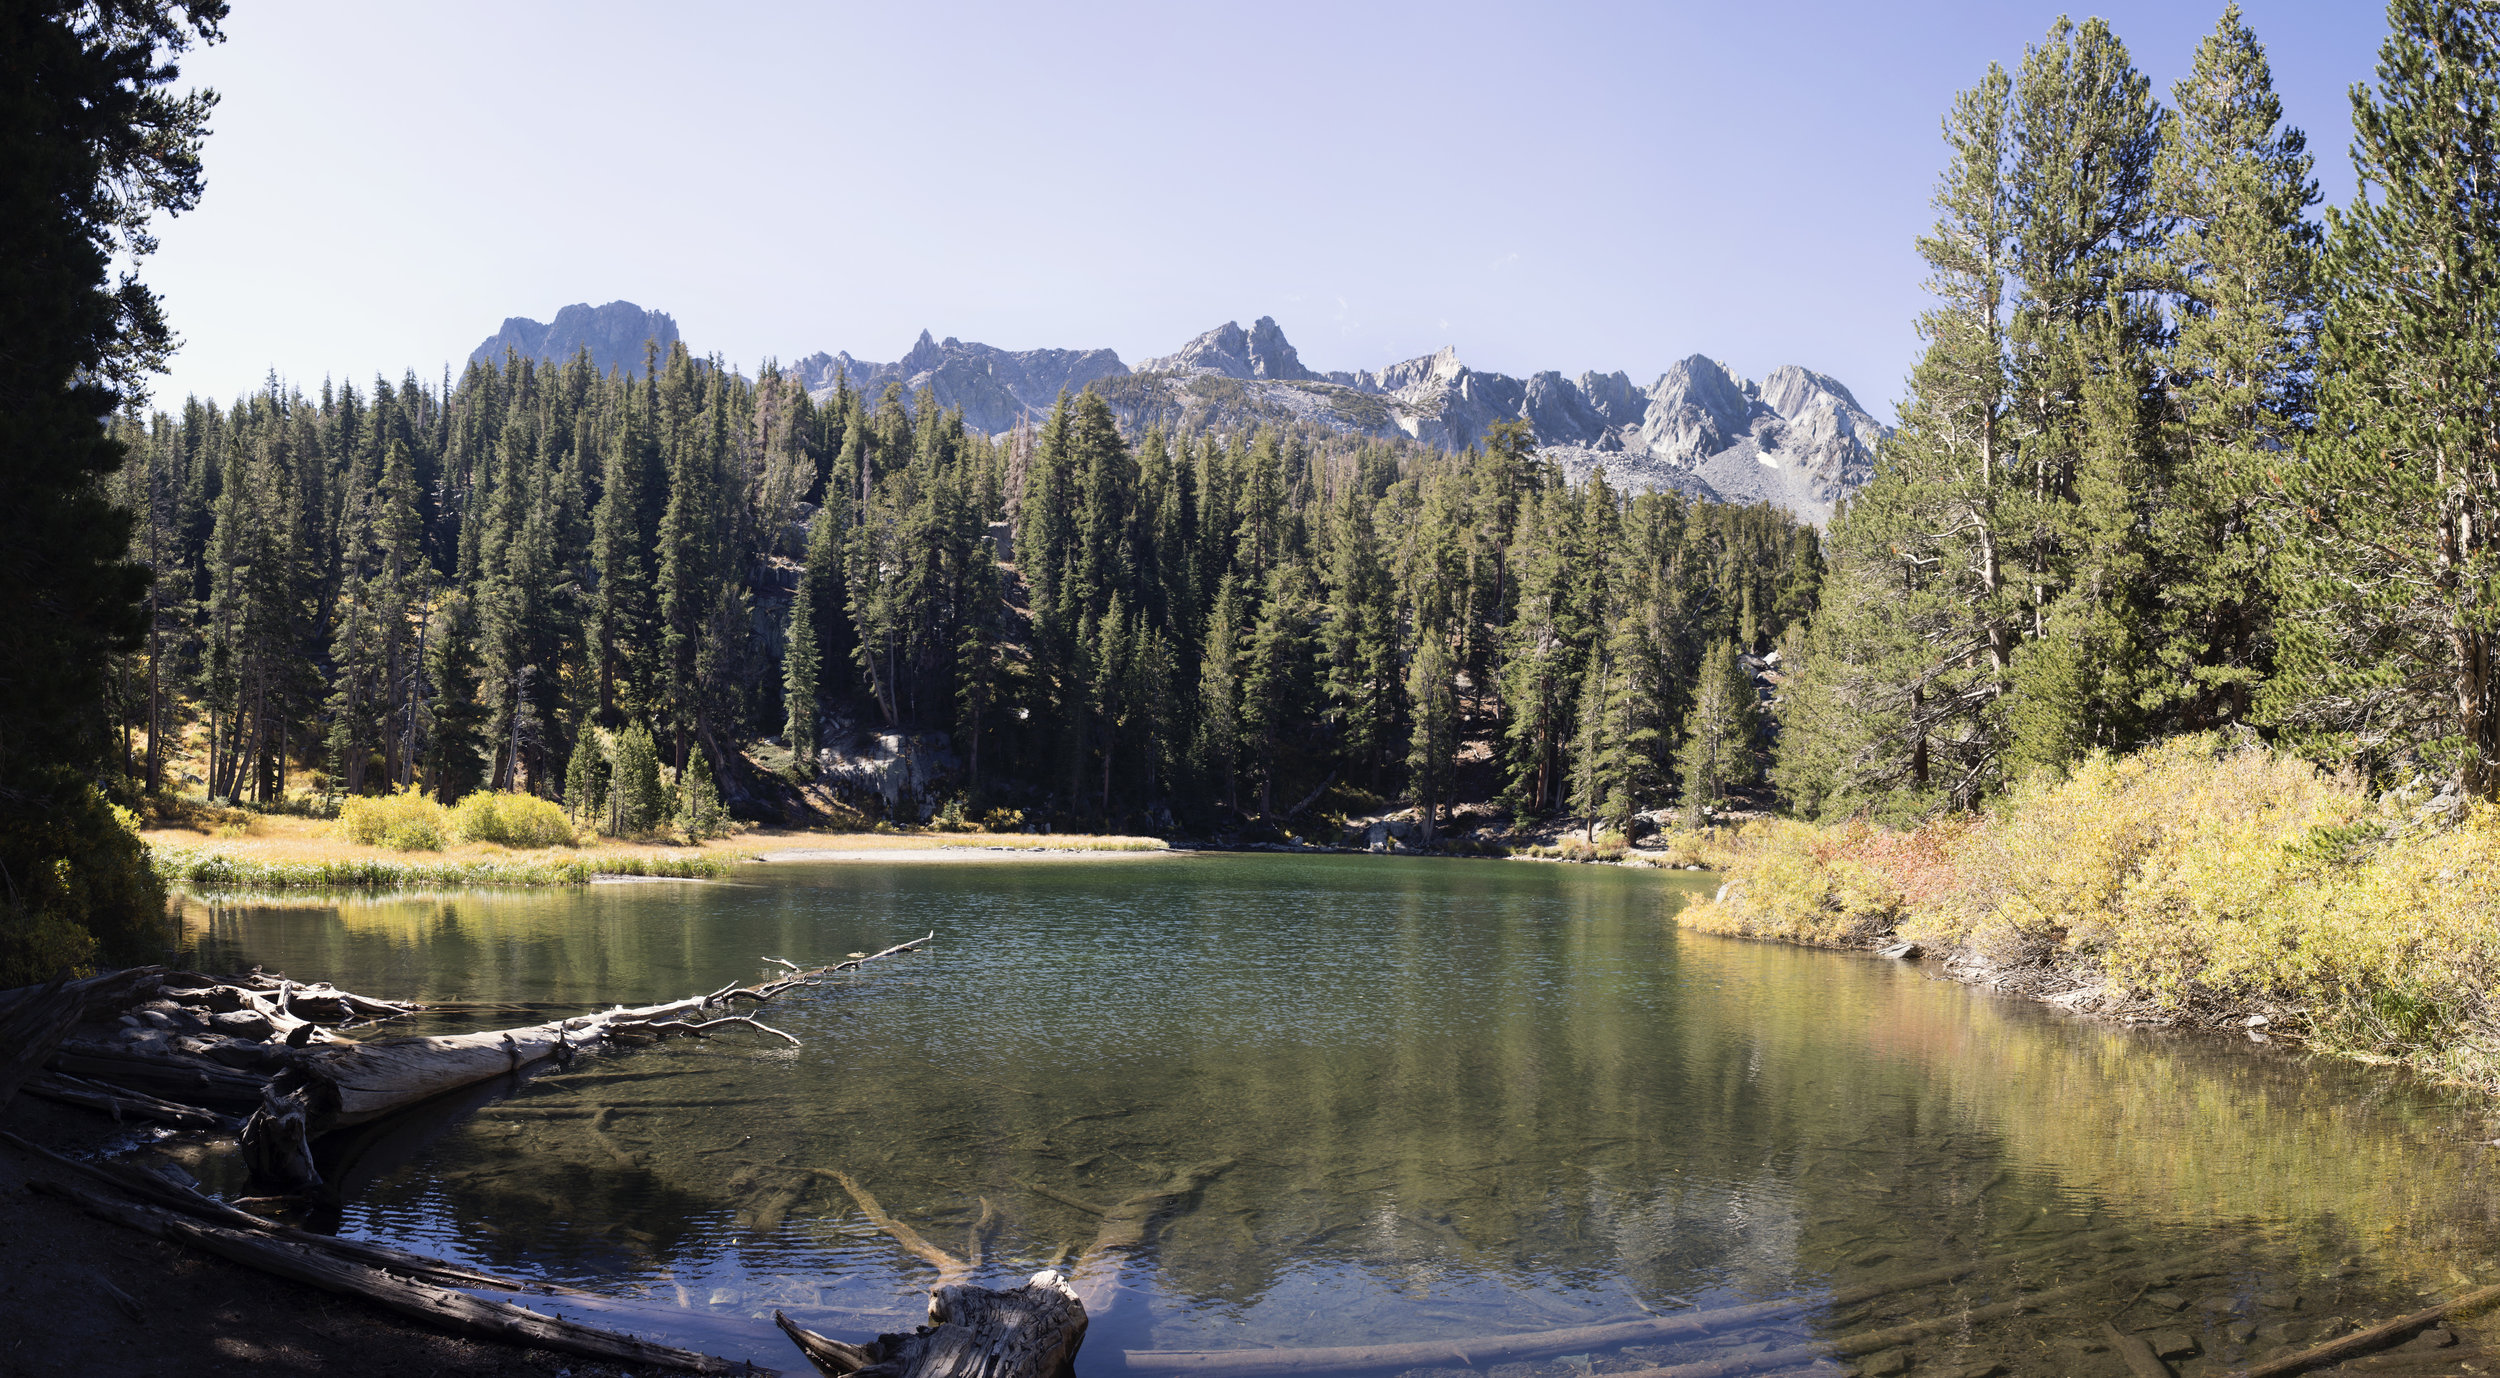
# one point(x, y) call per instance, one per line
point(1439, 1076)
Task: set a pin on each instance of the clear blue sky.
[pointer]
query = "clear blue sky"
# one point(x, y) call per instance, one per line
point(1548, 186)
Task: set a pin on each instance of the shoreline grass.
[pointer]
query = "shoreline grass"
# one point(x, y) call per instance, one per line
point(211, 867)
point(2190, 883)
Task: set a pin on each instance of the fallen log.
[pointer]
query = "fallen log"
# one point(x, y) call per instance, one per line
point(31, 1027)
point(121, 1102)
point(1239, 1363)
point(440, 1307)
point(2135, 1352)
point(1865, 1342)
point(155, 1190)
point(949, 1267)
point(325, 1088)
point(1125, 1228)
point(1030, 1331)
point(2374, 1337)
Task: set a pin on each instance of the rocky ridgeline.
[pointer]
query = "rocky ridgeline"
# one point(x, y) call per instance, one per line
point(615, 335)
point(1796, 439)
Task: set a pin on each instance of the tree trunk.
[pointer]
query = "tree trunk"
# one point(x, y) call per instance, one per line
point(1031, 1331)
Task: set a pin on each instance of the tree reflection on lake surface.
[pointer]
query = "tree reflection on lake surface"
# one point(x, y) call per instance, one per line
point(1426, 1100)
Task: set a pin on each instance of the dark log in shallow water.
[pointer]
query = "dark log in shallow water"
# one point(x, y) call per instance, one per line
point(2135, 1352)
point(344, 1084)
point(2374, 1337)
point(1031, 1331)
point(1471, 1350)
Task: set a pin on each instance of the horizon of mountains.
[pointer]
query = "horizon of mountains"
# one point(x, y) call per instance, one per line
point(1797, 439)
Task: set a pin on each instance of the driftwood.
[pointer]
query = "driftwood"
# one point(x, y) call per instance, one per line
point(2375, 1337)
point(1237, 1363)
point(344, 1084)
point(1877, 1341)
point(1124, 1232)
point(949, 1267)
point(1031, 1331)
point(125, 1179)
point(32, 1026)
point(121, 1102)
point(437, 1306)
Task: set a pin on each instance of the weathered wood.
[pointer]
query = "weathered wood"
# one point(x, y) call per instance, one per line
point(33, 1024)
point(339, 1085)
point(1865, 1342)
point(1030, 1331)
point(126, 1179)
point(2375, 1337)
point(1239, 1363)
point(2135, 1352)
point(949, 1267)
point(1124, 1231)
point(122, 1102)
point(176, 1076)
point(453, 1311)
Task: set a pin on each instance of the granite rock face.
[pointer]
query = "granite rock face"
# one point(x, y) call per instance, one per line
point(1796, 439)
point(994, 387)
point(1228, 351)
point(615, 334)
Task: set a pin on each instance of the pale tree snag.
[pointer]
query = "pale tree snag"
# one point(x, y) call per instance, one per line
point(1031, 1331)
point(336, 1085)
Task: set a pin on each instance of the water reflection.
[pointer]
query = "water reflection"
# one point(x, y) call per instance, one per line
point(1446, 1099)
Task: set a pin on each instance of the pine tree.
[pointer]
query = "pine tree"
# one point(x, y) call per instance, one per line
point(1721, 752)
point(2391, 577)
point(455, 746)
point(586, 777)
point(699, 811)
point(1219, 697)
point(2241, 262)
point(1275, 677)
point(798, 682)
point(1432, 747)
point(637, 801)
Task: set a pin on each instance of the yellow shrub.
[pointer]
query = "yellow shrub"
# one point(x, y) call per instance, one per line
point(515, 820)
point(2193, 876)
point(2171, 867)
point(404, 822)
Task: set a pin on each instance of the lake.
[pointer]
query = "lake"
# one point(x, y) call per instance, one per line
point(1419, 1099)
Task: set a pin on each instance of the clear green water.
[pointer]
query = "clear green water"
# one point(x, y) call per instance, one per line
point(1447, 1099)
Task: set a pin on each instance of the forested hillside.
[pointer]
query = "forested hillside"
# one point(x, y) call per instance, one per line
point(451, 586)
point(2179, 458)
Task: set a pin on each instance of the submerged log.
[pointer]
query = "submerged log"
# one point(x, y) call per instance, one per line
point(2135, 1352)
point(1031, 1331)
point(2373, 1337)
point(333, 1087)
point(437, 1306)
point(1125, 1229)
point(1239, 1363)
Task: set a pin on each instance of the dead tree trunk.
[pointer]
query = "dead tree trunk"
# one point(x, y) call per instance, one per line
point(338, 1085)
point(1031, 1331)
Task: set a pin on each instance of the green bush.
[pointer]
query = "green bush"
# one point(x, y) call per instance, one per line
point(404, 822)
point(80, 888)
point(514, 820)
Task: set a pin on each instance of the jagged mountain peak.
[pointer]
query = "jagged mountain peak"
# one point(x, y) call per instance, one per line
point(1229, 351)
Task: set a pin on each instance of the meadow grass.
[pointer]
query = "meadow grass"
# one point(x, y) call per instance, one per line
point(209, 867)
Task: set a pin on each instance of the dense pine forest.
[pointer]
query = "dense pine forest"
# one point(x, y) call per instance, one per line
point(2178, 457)
point(485, 584)
point(2187, 457)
